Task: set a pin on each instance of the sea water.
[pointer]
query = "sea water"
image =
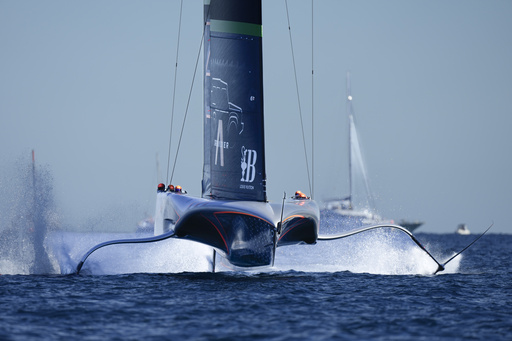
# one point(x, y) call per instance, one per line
point(374, 286)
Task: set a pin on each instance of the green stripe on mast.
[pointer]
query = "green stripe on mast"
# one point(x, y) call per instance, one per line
point(235, 27)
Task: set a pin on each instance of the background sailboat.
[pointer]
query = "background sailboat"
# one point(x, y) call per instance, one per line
point(358, 208)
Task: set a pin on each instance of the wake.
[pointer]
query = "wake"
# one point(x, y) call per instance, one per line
point(31, 242)
point(379, 252)
point(27, 214)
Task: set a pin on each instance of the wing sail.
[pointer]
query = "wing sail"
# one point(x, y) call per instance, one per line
point(234, 159)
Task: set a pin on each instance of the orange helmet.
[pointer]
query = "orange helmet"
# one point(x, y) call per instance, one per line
point(178, 189)
point(161, 187)
point(170, 188)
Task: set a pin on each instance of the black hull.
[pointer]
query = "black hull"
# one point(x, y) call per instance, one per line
point(245, 233)
point(243, 239)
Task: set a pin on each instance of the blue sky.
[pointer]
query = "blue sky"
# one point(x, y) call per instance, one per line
point(89, 86)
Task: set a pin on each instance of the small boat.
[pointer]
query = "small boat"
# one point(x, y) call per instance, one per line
point(462, 229)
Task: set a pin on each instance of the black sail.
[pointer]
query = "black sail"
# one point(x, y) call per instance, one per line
point(234, 160)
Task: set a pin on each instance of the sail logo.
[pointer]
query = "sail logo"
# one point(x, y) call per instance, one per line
point(219, 143)
point(249, 157)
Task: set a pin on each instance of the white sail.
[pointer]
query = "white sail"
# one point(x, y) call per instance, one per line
point(360, 193)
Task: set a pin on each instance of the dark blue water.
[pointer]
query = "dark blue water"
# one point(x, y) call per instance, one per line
point(472, 301)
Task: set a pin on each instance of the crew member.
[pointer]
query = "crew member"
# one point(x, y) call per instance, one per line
point(161, 187)
point(300, 195)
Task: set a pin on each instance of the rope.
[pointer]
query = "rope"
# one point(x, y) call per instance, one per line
point(174, 91)
point(188, 102)
point(312, 106)
point(298, 96)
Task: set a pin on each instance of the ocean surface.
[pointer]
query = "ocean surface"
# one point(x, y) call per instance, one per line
point(375, 286)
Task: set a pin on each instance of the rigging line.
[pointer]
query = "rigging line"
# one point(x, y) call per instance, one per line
point(298, 96)
point(464, 249)
point(312, 106)
point(188, 102)
point(174, 91)
point(347, 108)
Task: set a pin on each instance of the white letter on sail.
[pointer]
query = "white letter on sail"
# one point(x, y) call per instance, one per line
point(219, 143)
point(248, 165)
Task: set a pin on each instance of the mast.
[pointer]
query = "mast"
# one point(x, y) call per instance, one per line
point(357, 165)
point(349, 111)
